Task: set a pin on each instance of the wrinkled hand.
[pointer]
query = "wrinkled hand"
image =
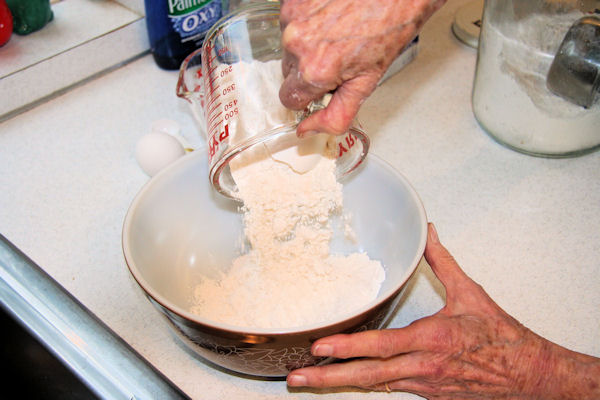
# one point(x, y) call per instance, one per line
point(469, 349)
point(343, 46)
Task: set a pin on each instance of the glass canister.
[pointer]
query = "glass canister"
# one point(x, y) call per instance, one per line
point(512, 101)
point(232, 85)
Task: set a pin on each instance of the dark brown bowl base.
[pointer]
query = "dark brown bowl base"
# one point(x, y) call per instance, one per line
point(269, 355)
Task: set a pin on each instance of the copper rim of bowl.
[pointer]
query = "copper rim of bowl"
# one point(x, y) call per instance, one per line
point(179, 165)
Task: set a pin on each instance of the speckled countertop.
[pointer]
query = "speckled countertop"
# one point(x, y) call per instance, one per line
point(525, 228)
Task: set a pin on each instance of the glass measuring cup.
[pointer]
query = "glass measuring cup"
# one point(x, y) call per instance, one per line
point(232, 85)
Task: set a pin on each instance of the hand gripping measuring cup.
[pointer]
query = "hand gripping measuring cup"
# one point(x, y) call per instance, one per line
point(233, 83)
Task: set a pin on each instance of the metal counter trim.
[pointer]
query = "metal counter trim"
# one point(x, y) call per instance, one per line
point(97, 355)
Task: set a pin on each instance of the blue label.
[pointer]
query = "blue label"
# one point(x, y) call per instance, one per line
point(194, 24)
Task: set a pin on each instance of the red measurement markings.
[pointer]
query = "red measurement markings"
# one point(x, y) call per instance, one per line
point(349, 140)
point(215, 123)
point(211, 81)
point(206, 56)
point(208, 48)
point(213, 99)
point(228, 89)
point(231, 114)
point(210, 69)
point(223, 50)
point(214, 91)
point(230, 105)
point(211, 111)
point(213, 96)
point(210, 57)
point(213, 118)
point(225, 71)
point(208, 86)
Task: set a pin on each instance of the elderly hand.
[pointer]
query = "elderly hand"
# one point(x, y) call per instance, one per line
point(471, 348)
point(343, 46)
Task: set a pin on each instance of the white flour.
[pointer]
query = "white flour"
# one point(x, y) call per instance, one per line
point(257, 99)
point(288, 278)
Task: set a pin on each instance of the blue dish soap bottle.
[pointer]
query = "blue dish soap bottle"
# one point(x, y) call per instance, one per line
point(177, 27)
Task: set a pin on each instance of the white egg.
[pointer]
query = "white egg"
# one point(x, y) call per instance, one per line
point(156, 150)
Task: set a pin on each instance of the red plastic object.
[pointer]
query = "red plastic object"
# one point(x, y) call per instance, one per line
point(6, 23)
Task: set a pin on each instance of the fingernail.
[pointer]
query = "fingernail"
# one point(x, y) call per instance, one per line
point(296, 380)
point(307, 134)
point(433, 234)
point(322, 350)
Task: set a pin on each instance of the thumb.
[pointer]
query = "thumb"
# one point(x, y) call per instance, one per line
point(345, 102)
point(445, 268)
point(462, 293)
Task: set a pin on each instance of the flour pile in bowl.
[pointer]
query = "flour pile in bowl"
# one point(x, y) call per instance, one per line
point(289, 278)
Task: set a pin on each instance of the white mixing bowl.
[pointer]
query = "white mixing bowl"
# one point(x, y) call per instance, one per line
point(179, 229)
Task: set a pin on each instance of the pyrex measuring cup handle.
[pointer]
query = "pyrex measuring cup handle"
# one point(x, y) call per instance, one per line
point(182, 89)
point(190, 86)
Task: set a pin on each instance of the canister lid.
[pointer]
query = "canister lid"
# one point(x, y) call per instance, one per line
point(467, 23)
